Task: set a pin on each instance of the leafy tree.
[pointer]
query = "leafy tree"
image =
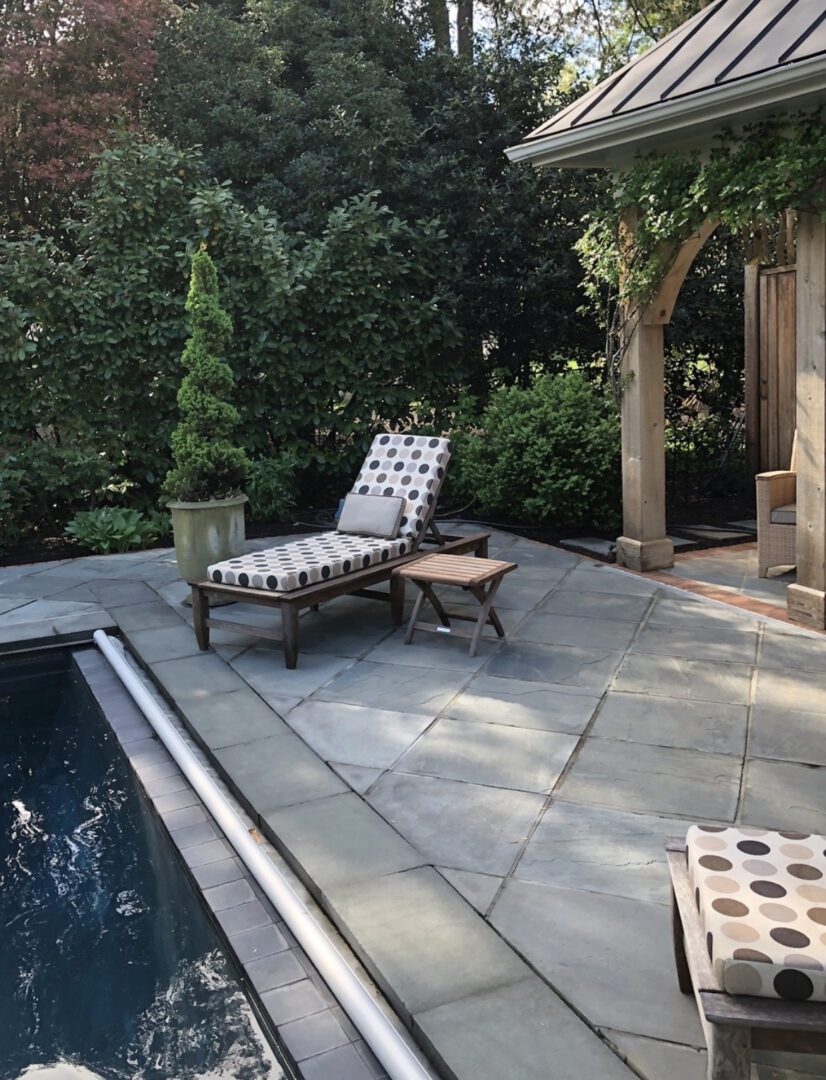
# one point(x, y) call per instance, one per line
point(304, 104)
point(69, 71)
point(335, 334)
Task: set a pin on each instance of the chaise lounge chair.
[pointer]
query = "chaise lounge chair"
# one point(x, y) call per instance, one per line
point(304, 573)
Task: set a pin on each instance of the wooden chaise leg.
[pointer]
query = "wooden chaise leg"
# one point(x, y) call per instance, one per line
point(397, 599)
point(289, 630)
point(729, 1052)
point(680, 958)
point(200, 614)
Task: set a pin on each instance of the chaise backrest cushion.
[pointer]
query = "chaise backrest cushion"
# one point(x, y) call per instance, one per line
point(412, 466)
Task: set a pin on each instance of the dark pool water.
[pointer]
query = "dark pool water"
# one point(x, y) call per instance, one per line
point(109, 967)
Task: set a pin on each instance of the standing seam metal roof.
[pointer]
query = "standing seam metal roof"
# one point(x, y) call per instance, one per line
point(728, 41)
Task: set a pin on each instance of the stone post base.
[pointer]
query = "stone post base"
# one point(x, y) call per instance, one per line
point(806, 606)
point(645, 554)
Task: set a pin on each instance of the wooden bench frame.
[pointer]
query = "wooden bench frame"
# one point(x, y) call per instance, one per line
point(293, 602)
point(733, 1024)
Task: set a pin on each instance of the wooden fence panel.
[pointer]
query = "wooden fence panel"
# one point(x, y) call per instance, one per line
point(770, 347)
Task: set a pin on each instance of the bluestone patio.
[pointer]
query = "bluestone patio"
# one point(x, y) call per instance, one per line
point(488, 833)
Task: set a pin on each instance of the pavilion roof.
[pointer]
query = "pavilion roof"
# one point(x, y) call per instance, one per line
point(735, 61)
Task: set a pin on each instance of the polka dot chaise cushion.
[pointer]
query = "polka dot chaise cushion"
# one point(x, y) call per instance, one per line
point(303, 562)
point(762, 902)
point(410, 466)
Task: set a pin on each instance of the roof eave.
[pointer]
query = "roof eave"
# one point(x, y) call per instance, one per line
point(614, 141)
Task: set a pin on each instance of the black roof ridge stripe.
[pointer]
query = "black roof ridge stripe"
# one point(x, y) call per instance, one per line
point(809, 30)
point(707, 14)
point(708, 51)
point(612, 82)
point(769, 26)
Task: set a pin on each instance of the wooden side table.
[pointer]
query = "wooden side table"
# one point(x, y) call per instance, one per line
point(480, 577)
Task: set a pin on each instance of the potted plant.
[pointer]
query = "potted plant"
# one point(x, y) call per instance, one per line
point(206, 501)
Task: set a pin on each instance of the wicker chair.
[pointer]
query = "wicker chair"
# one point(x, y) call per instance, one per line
point(777, 517)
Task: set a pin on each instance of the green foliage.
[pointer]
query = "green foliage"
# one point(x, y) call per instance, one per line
point(749, 177)
point(115, 529)
point(207, 464)
point(272, 487)
point(548, 454)
point(41, 484)
point(304, 104)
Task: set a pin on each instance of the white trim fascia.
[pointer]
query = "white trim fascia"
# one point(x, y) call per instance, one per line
point(605, 142)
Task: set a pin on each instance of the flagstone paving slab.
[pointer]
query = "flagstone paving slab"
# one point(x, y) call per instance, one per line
point(356, 734)
point(665, 721)
point(591, 669)
point(520, 703)
point(715, 645)
point(358, 777)
point(658, 1060)
point(422, 942)
point(781, 795)
point(600, 850)
point(788, 735)
point(340, 840)
point(151, 615)
point(544, 1038)
point(674, 612)
point(609, 956)
point(158, 643)
point(505, 757)
point(674, 676)
point(464, 826)
point(554, 629)
point(605, 579)
point(478, 889)
point(196, 678)
point(435, 651)
point(264, 670)
point(654, 779)
point(394, 686)
point(223, 720)
point(268, 774)
point(800, 691)
point(595, 605)
point(786, 651)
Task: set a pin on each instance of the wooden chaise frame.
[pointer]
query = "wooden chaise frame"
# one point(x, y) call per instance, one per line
point(353, 584)
point(733, 1025)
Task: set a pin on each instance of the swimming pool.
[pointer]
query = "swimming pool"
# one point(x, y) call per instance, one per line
point(109, 964)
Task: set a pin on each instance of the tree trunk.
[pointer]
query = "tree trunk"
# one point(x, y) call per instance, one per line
point(440, 24)
point(464, 28)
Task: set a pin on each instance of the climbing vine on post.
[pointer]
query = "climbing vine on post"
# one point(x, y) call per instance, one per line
point(747, 178)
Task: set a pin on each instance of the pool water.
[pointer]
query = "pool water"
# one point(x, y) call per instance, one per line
point(109, 966)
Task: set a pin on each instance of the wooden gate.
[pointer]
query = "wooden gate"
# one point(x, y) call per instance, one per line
point(770, 360)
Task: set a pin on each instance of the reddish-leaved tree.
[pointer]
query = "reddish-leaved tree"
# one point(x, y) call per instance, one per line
point(70, 70)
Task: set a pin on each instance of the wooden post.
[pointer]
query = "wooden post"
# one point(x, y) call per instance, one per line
point(807, 597)
point(644, 544)
point(751, 358)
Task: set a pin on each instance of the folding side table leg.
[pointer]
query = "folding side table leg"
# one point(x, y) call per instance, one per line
point(484, 613)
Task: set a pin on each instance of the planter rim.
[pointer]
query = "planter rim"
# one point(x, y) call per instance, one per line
point(207, 504)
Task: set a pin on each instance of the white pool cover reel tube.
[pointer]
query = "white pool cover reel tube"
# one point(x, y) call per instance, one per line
point(384, 1040)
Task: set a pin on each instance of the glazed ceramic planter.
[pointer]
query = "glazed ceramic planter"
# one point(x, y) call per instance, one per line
point(206, 533)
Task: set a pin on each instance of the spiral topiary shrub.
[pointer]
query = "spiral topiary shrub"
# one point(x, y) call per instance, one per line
point(207, 463)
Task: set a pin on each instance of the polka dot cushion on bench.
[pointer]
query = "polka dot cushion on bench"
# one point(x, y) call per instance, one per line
point(761, 896)
point(304, 562)
point(410, 466)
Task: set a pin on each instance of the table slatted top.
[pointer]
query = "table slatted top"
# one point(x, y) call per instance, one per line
point(455, 569)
